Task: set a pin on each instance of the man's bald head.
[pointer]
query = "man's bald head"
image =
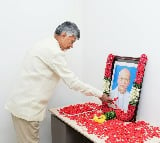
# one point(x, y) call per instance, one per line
point(123, 80)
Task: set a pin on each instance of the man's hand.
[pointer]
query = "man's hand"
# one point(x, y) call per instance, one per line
point(106, 98)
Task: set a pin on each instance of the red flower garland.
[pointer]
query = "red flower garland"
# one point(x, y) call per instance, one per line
point(120, 114)
point(140, 69)
point(109, 65)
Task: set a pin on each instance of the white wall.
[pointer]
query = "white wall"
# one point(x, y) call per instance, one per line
point(22, 24)
point(126, 28)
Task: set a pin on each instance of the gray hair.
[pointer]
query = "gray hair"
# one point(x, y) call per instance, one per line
point(69, 28)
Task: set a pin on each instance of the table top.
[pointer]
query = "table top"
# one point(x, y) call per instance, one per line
point(73, 124)
point(83, 130)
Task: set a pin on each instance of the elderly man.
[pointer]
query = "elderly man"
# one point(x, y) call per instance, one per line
point(121, 90)
point(44, 65)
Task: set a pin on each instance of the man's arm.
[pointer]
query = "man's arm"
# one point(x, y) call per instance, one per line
point(59, 65)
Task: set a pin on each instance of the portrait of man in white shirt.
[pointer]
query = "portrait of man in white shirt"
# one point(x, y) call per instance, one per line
point(123, 77)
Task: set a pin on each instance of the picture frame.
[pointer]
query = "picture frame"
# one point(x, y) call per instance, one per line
point(123, 79)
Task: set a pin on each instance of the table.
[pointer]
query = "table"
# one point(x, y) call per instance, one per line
point(65, 130)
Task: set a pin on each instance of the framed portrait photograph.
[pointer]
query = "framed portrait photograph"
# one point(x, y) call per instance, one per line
point(123, 82)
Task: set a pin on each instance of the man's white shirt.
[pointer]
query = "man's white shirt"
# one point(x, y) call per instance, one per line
point(43, 67)
point(123, 99)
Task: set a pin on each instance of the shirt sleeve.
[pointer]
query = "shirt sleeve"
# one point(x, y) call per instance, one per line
point(59, 65)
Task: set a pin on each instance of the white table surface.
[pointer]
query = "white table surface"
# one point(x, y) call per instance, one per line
point(83, 130)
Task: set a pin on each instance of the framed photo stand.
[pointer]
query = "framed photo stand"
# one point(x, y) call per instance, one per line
point(123, 79)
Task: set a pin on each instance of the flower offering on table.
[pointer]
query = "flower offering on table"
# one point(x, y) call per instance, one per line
point(112, 124)
point(112, 131)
